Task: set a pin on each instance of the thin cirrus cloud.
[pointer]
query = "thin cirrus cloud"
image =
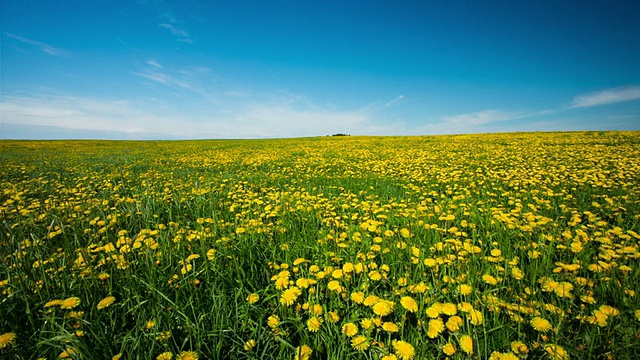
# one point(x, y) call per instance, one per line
point(180, 34)
point(607, 96)
point(154, 63)
point(72, 112)
point(478, 118)
point(479, 121)
point(184, 79)
point(394, 101)
point(51, 50)
point(278, 117)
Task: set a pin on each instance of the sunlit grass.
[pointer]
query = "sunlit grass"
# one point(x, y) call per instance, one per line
point(502, 246)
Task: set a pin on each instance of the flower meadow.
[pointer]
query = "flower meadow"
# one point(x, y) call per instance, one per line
point(493, 246)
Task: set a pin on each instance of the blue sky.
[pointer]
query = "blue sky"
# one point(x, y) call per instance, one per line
point(252, 69)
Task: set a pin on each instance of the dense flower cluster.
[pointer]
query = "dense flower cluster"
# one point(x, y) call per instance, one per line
point(486, 246)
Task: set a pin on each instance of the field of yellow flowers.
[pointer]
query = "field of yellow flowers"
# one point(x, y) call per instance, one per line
point(500, 246)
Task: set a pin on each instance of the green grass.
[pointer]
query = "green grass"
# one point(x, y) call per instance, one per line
point(181, 233)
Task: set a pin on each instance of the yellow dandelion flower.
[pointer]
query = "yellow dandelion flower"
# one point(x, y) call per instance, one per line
point(540, 324)
point(151, 323)
point(435, 327)
point(117, 357)
point(290, 296)
point(449, 349)
point(273, 321)
point(508, 356)
point(187, 355)
point(609, 310)
point(282, 283)
point(7, 339)
point(192, 257)
point(403, 349)
point(348, 268)
point(253, 298)
point(302, 283)
point(556, 352)
point(70, 303)
point(334, 285)
point(350, 329)
point(465, 289)
point(519, 347)
point(332, 317)
point(409, 304)
point(637, 313)
point(317, 309)
point(68, 353)
point(360, 343)
point(167, 355)
point(103, 276)
point(106, 302)
point(564, 289)
point(249, 345)
point(390, 327)
point(299, 261)
point(421, 288)
point(517, 273)
point(588, 299)
point(429, 262)
point(389, 357)
point(52, 303)
point(375, 275)
point(303, 352)
point(74, 314)
point(489, 279)
point(383, 307)
point(163, 336)
point(465, 307)
point(370, 300)
point(598, 318)
point(357, 297)
point(313, 324)
point(433, 311)
point(548, 285)
point(366, 323)
point(377, 322)
point(476, 317)
point(449, 309)
point(454, 323)
point(466, 344)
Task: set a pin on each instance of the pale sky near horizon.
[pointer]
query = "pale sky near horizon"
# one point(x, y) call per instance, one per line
point(253, 69)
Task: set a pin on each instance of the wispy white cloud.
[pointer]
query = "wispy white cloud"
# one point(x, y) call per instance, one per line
point(180, 34)
point(154, 63)
point(75, 113)
point(273, 120)
point(394, 101)
point(474, 119)
point(195, 72)
point(276, 117)
point(607, 96)
point(466, 123)
point(187, 78)
point(51, 50)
